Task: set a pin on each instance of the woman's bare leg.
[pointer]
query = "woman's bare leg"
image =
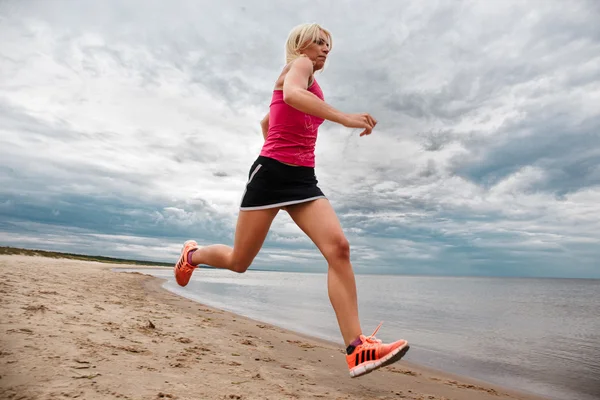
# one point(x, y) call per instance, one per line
point(250, 233)
point(318, 220)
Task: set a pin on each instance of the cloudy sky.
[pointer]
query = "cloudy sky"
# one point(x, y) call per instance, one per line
point(129, 127)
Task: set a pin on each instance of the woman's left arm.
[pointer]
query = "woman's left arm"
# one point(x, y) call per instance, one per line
point(264, 124)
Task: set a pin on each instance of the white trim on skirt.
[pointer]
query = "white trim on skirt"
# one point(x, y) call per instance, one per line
point(259, 166)
point(286, 203)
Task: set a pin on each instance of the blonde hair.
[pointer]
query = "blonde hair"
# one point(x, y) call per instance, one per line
point(300, 37)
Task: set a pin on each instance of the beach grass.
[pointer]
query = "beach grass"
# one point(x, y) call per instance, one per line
point(5, 250)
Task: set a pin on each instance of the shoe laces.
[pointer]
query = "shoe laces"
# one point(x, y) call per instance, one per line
point(371, 338)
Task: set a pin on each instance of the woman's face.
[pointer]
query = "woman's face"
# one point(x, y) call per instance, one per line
point(318, 50)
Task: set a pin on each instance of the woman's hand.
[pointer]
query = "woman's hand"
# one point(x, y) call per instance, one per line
point(362, 120)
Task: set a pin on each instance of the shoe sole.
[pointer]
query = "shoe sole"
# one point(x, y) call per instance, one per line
point(385, 361)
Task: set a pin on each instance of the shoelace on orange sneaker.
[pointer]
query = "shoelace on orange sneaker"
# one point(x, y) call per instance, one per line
point(371, 338)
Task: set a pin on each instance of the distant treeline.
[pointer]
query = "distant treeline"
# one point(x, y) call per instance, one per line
point(54, 254)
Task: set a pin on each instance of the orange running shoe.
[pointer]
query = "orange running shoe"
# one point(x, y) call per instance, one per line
point(372, 354)
point(183, 268)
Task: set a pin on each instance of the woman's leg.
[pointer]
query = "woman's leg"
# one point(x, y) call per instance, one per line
point(250, 233)
point(318, 220)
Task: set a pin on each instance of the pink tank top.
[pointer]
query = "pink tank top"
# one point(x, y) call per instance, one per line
point(292, 134)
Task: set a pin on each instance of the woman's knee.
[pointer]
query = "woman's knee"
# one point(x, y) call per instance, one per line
point(338, 249)
point(240, 266)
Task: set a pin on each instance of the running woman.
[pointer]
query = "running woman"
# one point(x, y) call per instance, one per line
point(283, 178)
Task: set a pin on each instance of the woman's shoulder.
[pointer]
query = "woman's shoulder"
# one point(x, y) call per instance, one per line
point(302, 59)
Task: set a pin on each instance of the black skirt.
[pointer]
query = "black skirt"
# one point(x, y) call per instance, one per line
point(273, 184)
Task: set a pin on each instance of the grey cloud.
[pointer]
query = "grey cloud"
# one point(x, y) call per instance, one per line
point(436, 140)
point(568, 152)
point(432, 73)
point(117, 216)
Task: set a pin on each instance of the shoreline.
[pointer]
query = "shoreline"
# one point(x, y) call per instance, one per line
point(82, 329)
point(410, 366)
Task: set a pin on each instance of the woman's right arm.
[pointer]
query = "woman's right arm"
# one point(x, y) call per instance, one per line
point(296, 95)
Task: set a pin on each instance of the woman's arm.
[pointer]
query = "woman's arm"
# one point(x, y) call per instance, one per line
point(296, 95)
point(264, 124)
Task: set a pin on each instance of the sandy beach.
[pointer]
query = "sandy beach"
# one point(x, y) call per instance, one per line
point(78, 329)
